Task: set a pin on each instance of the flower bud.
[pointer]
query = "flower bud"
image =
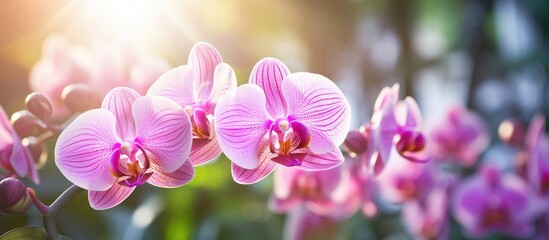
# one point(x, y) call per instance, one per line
point(38, 151)
point(39, 105)
point(511, 131)
point(79, 97)
point(25, 123)
point(355, 143)
point(14, 197)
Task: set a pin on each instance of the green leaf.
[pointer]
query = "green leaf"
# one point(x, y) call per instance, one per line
point(28, 233)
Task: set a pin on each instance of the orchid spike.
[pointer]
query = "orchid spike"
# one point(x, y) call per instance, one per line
point(295, 120)
point(15, 158)
point(130, 140)
point(197, 87)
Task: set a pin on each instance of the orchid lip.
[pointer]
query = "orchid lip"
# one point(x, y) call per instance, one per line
point(285, 138)
point(133, 172)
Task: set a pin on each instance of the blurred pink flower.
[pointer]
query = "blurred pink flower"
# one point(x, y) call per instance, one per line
point(197, 87)
point(129, 141)
point(304, 224)
point(492, 201)
point(61, 64)
point(330, 192)
point(395, 125)
point(403, 180)
point(537, 148)
point(460, 137)
point(295, 120)
point(102, 68)
point(15, 159)
point(428, 219)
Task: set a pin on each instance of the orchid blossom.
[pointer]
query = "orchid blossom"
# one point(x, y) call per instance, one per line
point(492, 201)
point(460, 137)
point(15, 158)
point(395, 125)
point(294, 120)
point(197, 87)
point(130, 140)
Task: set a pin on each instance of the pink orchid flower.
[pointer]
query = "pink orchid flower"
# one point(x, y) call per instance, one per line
point(304, 224)
point(130, 140)
point(394, 125)
point(428, 219)
point(197, 87)
point(330, 192)
point(537, 147)
point(460, 137)
point(15, 159)
point(295, 120)
point(403, 180)
point(492, 201)
point(61, 64)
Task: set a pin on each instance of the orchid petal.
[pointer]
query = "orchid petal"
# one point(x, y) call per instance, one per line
point(268, 74)
point(283, 205)
point(101, 200)
point(22, 162)
point(318, 162)
point(386, 131)
point(119, 101)
point(203, 58)
point(387, 95)
point(174, 179)
point(317, 103)
point(408, 113)
point(240, 123)
point(176, 84)
point(284, 178)
point(264, 168)
point(164, 129)
point(204, 150)
point(84, 148)
point(224, 81)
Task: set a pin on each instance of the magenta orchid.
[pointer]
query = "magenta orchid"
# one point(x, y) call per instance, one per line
point(15, 158)
point(428, 219)
point(197, 87)
point(460, 137)
point(129, 141)
point(394, 125)
point(295, 120)
point(330, 192)
point(492, 201)
point(537, 146)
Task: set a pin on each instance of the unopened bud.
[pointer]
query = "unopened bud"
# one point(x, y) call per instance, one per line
point(511, 131)
point(79, 97)
point(39, 105)
point(25, 123)
point(38, 151)
point(14, 197)
point(355, 143)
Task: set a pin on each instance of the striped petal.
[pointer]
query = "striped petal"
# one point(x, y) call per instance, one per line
point(240, 123)
point(83, 150)
point(176, 84)
point(268, 74)
point(164, 129)
point(119, 101)
point(101, 200)
point(203, 59)
point(318, 162)
point(319, 104)
point(174, 179)
point(263, 169)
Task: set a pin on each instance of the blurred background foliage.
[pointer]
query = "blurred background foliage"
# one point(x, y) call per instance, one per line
point(491, 55)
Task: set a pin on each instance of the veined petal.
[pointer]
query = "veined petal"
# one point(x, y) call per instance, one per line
point(240, 124)
point(176, 84)
point(203, 58)
point(174, 179)
point(224, 81)
point(204, 151)
point(83, 150)
point(319, 104)
point(163, 129)
point(268, 74)
point(101, 200)
point(318, 162)
point(263, 169)
point(119, 101)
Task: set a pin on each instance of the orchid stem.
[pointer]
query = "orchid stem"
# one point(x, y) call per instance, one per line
point(49, 212)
